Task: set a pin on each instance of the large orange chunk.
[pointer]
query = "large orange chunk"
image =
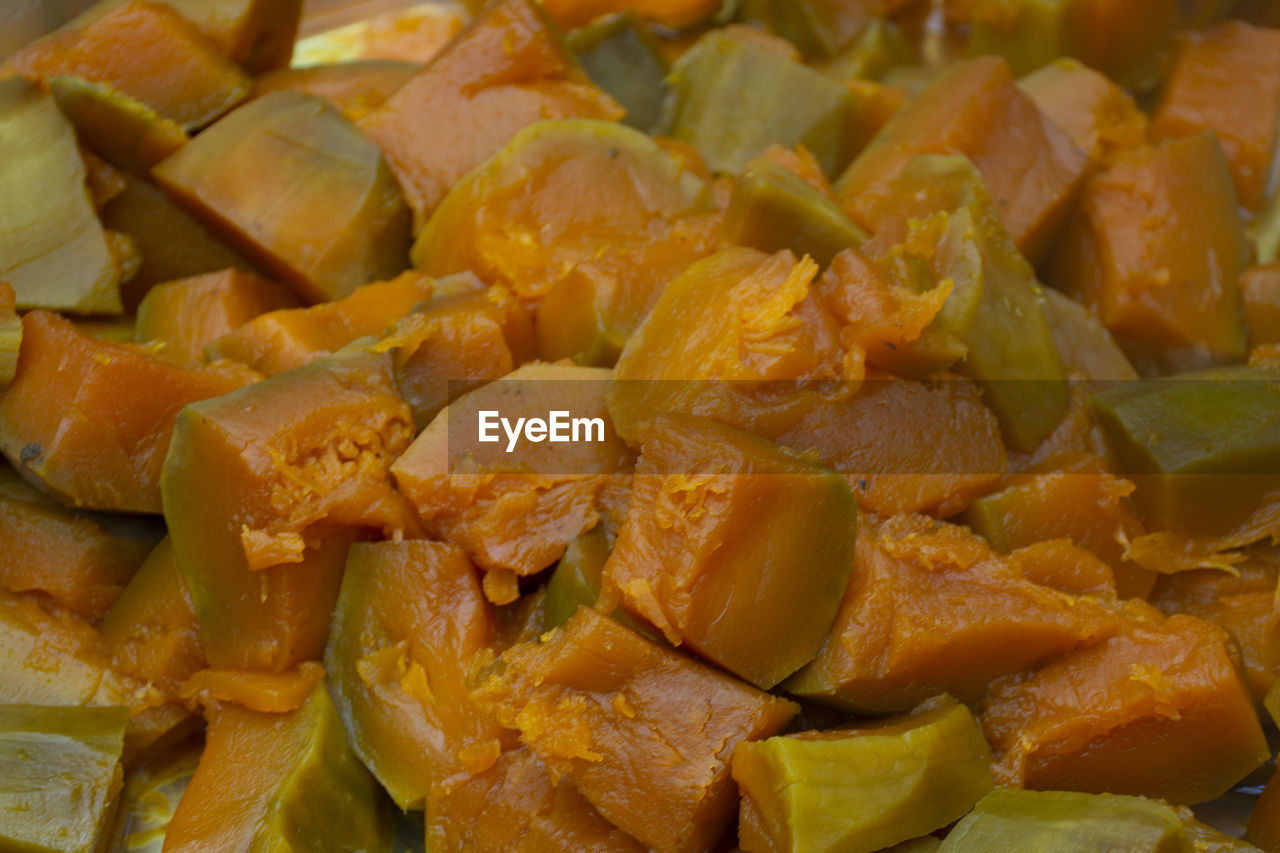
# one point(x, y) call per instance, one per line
point(643, 733)
point(89, 421)
point(291, 337)
point(515, 807)
point(151, 630)
point(187, 314)
point(279, 782)
point(411, 617)
point(1158, 710)
point(1100, 118)
point(149, 52)
point(733, 547)
point(726, 340)
point(294, 185)
point(513, 504)
point(907, 446)
point(70, 558)
point(1227, 79)
point(505, 71)
point(978, 619)
point(265, 488)
point(48, 656)
point(1072, 497)
point(257, 34)
point(1168, 282)
point(1031, 168)
point(589, 218)
point(1241, 602)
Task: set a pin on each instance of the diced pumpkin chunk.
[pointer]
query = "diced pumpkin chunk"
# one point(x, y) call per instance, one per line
point(1168, 282)
point(892, 647)
point(514, 512)
point(506, 70)
point(356, 87)
point(149, 52)
point(1227, 79)
point(53, 251)
point(589, 218)
point(187, 314)
point(283, 339)
point(265, 488)
point(410, 619)
point(1158, 710)
point(295, 186)
point(126, 132)
point(279, 781)
point(72, 559)
point(1030, 166)
point(857, 790)
point(643, 733)
point(90, 421)
point(1100, 117)
point(515, 807)
point(60, 775)
point(733, 547)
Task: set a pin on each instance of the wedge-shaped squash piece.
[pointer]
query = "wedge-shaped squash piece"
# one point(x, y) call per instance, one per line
point(171, 243)
point(892, 647)
point(126, 132)
point(771, 209)
point(1264, 822)
point(940, 219)
point(1227, 79)
point(10, 335)
point(257, 34)
point(907, 446)
point(296, 187)
point(515, 511)
point(1076, 499)
point(187, 314)
point(256, 483)
point(90, 421)
point(1158, 710)
point(727, 339)
point(622, 56)
point(72, 559)
point(60, 777)
point(1030, 167)
point(53, 251)
point(515, 807)
point(505, 71)
point(733, 547)
point(645, 734)
point(151, 631)
point(410, 619)
point(1241, 602)
point(858, 790)
point(149, 52)
point(73, 668)
point(1008, 819)
point(732, 98)
point(593, 217)
point(1088, 350)
point(1101, 118)
point(1203, 448)
point(280, 782)
point(1169, 282)
point(286, 338)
